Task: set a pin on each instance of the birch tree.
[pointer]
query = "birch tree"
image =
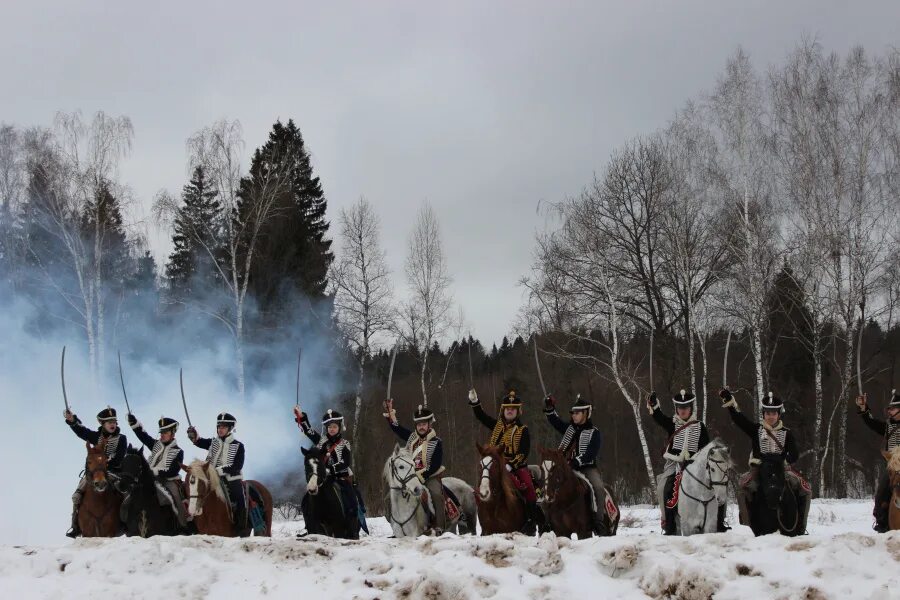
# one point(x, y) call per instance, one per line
point(362, 287)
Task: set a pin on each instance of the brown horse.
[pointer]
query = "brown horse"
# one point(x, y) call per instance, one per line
point(98, 514)
point(501, 509)
point(568, 500)
point(893, 467)
point(208, 506)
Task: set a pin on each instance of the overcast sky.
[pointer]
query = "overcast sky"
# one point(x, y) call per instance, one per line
point(482, 108)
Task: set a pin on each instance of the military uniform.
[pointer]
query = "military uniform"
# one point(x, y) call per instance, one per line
point(226, 455)
point(775, 443)
point(889, 430)
point(165, 463)
point(116, 445)
point(428, 453)
point(686, 438)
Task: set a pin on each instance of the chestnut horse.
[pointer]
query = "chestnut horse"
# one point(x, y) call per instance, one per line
point(501, 509)
point(208, 506)
point(893, 468)
point(98, 514)
point(568, 500)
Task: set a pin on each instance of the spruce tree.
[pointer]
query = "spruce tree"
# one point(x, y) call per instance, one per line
point(292, 253)
point(192, 264)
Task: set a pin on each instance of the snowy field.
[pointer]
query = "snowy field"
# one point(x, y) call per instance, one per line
point(842, 558)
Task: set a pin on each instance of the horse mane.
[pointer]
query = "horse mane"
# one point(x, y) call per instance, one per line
point(209, 476)
point(893, 463)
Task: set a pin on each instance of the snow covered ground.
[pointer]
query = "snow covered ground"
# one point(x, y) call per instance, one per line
point(841, 558)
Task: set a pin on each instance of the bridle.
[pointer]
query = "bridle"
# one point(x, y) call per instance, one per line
point(405, 493)
point(201, 499)
point(548, 495)
point(709, 487)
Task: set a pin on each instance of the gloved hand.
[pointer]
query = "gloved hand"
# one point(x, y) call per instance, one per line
point(549, 403)
point(220, 471)
point(298, 415)
point(69, 416)
point(861, 403)
point(652, 401)
point(389, 413)
point(473, 398)
point(509, 467)
point(192, 433)
point(728, 399)
point(132, 420)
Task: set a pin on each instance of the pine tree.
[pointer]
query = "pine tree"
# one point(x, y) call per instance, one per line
point(292, 252)
point(192, 265)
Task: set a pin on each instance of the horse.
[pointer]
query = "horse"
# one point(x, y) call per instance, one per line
point(567, 498)
point(893, 468)
point(209, 507)
point(142, 512)
point(703, 488)
point(501, 508)
point(323, 504)
point(408, 516)
point(98, 514)
point(775, 505)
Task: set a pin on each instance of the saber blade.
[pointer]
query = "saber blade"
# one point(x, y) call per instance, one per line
point(537, 363)
point(391, 372)
point(122, 379)
point(62, 376)
point(299, 354)
point(183, 401)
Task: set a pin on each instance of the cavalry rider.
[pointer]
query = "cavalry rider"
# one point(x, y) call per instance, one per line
point(226, 455)
point(512, 437)
point(116, 445)
point(581, 443)
point(336, 454)
point(428, 450)
point(771, 441)
point(165, 461)
point(687, 436)
point(890, 431)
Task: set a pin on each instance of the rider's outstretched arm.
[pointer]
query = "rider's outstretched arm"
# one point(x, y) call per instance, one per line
point(553, 416)
point(146, 439)
point(88, 435)
point(876, 425)
point(313, 435)
point(659, 417)
point(483, 417)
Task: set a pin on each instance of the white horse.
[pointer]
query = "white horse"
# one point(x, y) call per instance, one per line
point(704, 487)
point(408, 517)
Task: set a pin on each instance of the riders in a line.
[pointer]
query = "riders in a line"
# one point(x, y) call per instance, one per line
point(512, 437)
point(165, 463)
point(771, 441)
point(889, 430)
point(581, 442)
point(687, 435)
point(337, 456)
point(428, 452)
point(226, 455)
point(116, 445)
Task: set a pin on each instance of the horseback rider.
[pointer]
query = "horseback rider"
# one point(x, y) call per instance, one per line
point(337, 457)
point(512, 437)
point(226, 455)
point(771, 441)
point(581, 443)
point(428, 450)
point(165, 463)
point(889, 429)
point(687, 436)
point(116, 445)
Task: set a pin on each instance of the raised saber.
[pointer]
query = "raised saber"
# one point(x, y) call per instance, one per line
point(183, 401)
point(537, 363)
point(391, 372)
point(122, 379)
point(62, 376)
point(862, 325)
point(471, 375)
point(299, 354)
point(651, 363)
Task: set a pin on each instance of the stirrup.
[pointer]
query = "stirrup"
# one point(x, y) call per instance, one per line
point(72, 533)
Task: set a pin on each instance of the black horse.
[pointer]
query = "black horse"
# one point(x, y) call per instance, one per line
point(324, 505)
point(142, 512)
point(775, 505)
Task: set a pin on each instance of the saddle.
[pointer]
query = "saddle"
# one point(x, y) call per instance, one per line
point(452, 505)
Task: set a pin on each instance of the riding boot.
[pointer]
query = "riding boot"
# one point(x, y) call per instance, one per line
point(600, 527)
point(240, 520)
point(881, 517)
point(721, 526)
point(670, 527)
point(74, 531)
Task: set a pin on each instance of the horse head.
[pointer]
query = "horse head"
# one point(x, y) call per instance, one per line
point(400, 472)
point(97, 464)
point(556, 471)
point(200, 485)
point(718, 465)
point(772, 482)
point(492, 466)
point(314, 466)
point(134, 468)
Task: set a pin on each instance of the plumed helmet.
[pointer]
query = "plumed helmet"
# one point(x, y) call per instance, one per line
point(511, 400)
point(107, 414)
point(226, 419)
point(581, 404)
point(772, 402)
point(167, 424)
point(423, 414)
point(332, 416)
point(683, 398)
